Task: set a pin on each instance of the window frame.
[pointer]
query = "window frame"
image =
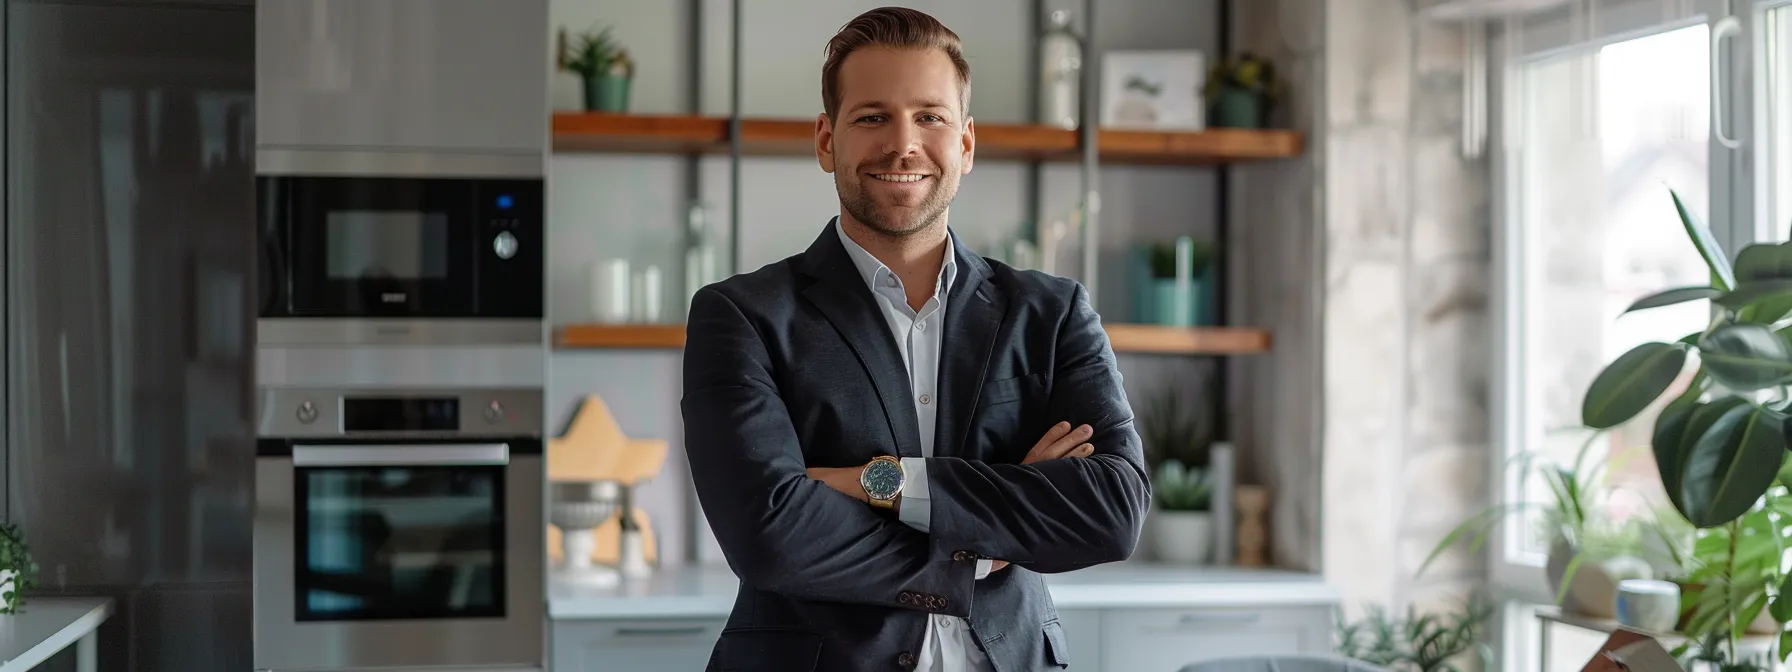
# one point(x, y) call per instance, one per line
point(1742, 202)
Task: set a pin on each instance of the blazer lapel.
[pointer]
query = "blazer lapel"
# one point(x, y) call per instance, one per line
point(974, 315)
point(842, 297)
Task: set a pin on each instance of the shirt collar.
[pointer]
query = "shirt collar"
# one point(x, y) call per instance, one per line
point(874, 271)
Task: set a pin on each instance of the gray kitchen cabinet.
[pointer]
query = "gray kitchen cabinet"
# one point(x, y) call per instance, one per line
point(344, 76)
point(1164, 640)
point(616, 645)
point(1100, 640)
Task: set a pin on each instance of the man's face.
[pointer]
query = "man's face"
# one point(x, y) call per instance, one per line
point(899, 142)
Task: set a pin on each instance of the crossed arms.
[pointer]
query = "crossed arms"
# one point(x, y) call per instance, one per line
point(785, 532)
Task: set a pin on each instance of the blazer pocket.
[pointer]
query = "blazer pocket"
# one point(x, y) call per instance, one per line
point(767, 649)
point(1008, 389)
point(1056, 651)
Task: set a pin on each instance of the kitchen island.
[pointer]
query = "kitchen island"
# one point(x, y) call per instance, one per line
point(1131, 616)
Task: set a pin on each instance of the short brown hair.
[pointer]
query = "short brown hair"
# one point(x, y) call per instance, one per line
point(895, 27)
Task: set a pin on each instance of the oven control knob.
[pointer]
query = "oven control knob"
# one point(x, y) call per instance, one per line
point(495, 412)
point(307, 412)
point(504, 244)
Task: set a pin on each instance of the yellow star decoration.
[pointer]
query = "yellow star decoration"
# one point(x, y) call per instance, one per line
point(595, 449)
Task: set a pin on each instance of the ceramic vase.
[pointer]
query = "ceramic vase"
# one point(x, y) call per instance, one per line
point(1182, 537)
point(606, 93)
point(1593, 590)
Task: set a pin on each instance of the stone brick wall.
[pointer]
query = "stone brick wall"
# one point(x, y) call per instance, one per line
point(1369, 257)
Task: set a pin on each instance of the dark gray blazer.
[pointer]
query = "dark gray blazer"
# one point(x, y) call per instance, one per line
point(792, 366)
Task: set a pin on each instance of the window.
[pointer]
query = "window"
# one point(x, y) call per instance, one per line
point(1601, 108)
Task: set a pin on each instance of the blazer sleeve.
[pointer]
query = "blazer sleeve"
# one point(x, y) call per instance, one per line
point(1056, 515)
point(780, 530)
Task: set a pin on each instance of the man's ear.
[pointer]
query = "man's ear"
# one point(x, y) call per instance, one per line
point(824, 142)
point(968, 144)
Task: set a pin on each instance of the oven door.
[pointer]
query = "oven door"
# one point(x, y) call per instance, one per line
point(400, 247)
point(402, 553)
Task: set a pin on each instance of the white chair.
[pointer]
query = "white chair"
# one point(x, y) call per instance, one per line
point(1307, 663)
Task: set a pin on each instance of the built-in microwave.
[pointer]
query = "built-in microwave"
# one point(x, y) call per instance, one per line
point(399, 528)
point(466, 252)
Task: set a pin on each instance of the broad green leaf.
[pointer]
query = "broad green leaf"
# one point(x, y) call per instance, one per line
point(1785, 647)
point(1630, 383)
point(1673, 296)
point(1755, 293)
point(1746, 357)
point(1766, 311)
point(1731, 465)
point(1764, 261)
point(1670, 445)
point(1782, 608)
point(1723, 276)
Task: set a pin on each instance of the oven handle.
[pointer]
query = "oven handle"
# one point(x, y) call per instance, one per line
point(456, 454)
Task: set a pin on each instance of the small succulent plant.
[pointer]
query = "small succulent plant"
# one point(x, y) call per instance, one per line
point(1180, 488)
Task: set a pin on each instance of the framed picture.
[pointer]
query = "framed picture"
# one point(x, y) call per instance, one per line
point(1153, 90)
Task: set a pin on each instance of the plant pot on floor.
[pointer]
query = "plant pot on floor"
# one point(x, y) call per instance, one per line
point(1182, 537)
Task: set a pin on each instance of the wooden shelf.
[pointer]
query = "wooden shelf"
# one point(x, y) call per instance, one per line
point(674, 134)
point(1131, 338)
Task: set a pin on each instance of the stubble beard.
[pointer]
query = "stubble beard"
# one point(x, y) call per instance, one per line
point(890, 221)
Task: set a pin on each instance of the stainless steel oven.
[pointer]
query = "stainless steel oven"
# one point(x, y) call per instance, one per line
point(399, 529)
point(379, 260)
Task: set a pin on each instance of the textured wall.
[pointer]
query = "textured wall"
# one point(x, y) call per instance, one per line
point(1370, 260)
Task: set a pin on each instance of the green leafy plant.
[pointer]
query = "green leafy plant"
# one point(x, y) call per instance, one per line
point(1163, 259)
point(1572, 514)
point(1718, 444)
point(593, 53)
point(1247, 72)
point(15, 557)
point(1428, 642)
point(1179, 488)
point(1176, 427)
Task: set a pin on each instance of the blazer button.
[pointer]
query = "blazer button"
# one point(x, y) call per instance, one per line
point(905, 597)
point(906, 660)
point(964, 556)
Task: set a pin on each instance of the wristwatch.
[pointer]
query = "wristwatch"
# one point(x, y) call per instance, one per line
point(882, 479)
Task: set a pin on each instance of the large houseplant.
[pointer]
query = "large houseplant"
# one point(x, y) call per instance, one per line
point(1720, 444)
point(18, 571)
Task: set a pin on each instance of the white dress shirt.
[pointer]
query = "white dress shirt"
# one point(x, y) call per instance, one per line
point(949, 646)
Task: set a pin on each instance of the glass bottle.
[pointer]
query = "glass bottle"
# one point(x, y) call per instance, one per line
point(1061, 66)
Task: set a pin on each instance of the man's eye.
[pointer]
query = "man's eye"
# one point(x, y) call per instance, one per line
point(872, 118)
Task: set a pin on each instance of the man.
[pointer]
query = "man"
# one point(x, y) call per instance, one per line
point(891, 437)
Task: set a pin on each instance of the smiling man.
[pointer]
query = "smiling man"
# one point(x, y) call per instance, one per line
point(893, 438)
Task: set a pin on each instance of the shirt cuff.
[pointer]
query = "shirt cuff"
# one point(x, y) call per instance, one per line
point(915, 511)
point(983, 567)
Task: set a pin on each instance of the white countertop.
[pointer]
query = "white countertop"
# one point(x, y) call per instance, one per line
point(709, 591)
point(45, 626)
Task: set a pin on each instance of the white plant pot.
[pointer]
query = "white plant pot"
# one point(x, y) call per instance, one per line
point(1182, 537)
point(1593, 591)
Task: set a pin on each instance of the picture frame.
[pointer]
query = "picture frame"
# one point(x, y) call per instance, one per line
point(1154, 90)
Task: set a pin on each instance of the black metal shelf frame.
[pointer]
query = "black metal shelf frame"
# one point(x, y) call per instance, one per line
point(1089, 165)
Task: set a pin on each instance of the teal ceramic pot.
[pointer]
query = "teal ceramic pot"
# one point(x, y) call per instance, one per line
point(1238, 108)
point(606, 93)
point(1175, 306)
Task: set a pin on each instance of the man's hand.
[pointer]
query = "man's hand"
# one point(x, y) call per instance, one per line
point(1061, 441)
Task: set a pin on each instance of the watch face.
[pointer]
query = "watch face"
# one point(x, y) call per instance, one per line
point(882, 479)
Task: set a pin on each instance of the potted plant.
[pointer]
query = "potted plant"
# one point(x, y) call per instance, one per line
point(1163, 297)
point(1588, 552)
point(603, 66)
point(1182, 524)
point(1434, 642)
point(1240, 92)
point(18, 571)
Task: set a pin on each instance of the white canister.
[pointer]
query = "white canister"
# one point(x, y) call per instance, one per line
point(649, 298)
point(610, 291)
point(1648, 604)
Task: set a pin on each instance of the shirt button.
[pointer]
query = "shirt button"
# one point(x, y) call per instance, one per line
point(920, 326)
point(944, 621)
point(925, 399)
